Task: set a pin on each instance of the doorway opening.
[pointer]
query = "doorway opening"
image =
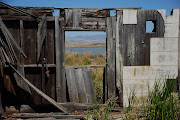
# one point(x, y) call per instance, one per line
point(87, 48)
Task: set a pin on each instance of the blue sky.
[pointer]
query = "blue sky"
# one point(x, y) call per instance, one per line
point(144, 4)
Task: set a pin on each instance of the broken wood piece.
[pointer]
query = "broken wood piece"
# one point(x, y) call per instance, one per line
point(40, 92)
point(5, 29)
point(45, 115)
point(41, 34)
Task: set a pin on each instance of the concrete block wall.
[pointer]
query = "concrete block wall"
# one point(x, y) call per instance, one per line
point(163, 61)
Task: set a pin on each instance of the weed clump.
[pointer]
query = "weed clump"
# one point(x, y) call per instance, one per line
point(161, 104)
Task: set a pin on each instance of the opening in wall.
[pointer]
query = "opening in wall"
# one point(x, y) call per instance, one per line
point(150, 26)
point(87, 48)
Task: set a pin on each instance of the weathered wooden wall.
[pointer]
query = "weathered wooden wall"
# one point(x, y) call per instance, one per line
point(128, 44)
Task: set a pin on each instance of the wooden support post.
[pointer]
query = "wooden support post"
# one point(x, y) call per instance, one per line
point(119, 57)
point(60, 70)
point(111, 52)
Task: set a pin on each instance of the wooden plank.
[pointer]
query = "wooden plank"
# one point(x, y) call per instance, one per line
point(119, 56)
point(76, 18)
point(87, 73)
point(42, 33)
point(79, 78)
point(129, 39)
point(71, 83)
point(40, 92)
point(45, 115)
point(110, 67)
point(60, 70)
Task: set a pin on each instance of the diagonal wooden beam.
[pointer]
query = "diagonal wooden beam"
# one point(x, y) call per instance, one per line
point(21, 11)
point(13, 41)
point(42, 31)
point(40, 92)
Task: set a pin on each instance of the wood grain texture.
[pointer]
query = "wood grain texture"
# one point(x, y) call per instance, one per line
point(71, 84)
point(90, 94)
point(41, 34)
point(119, 56)
point(80, 84)
point(110, 68)
point(60, 61)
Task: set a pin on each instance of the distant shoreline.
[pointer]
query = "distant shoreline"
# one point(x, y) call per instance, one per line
point(84, 45)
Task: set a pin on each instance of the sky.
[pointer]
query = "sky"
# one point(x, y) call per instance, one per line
point(144, 4)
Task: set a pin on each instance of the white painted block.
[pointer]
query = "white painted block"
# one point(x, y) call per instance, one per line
point(163, 13)
point(149, 72)
point(164, 58)
point(139, 86)
point(164, 44)
point(139, 97)
point(129, 16)
point(171, 30)
point(173, 18)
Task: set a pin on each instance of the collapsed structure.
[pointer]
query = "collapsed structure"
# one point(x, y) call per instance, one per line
point(32, 52)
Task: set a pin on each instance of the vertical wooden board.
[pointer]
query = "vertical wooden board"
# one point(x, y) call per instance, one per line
point(30, 38)
point(140, 38)
point(60, 61)
point(71, 84)
point(87, 73)
point(119, 56)
point(129, 39)
point(76, 18)
point(110, 68)
point(50, 83)
point(68, 18)
point(79, 78)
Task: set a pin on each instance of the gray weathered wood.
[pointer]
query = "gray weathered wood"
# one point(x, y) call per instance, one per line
point(76, 18)
point(60, 70)
point(89, 84)
point(119, 57)
point(110, 68)
point(71, 83)
point(41, 34)
point(40, 92)
point(68, 18)
point(78, 74)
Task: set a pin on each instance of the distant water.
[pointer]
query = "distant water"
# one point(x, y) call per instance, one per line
point(93, 50)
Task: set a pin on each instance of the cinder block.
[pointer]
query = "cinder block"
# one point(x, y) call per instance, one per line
point(138, 86)
point(163, 13)
point(129, 16)
point(173, 18)
point(164, 58)
point(171, 30)
point(149, 72)
point(164, 44)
